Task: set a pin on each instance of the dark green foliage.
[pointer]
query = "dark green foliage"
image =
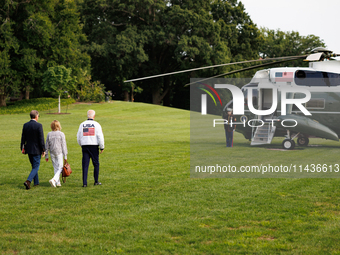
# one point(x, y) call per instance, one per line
point(8, 44)
point(239, 31)
point(92, 91)
point(130, 39)
point(277, 43)
point(35, 35)
point(57, 80)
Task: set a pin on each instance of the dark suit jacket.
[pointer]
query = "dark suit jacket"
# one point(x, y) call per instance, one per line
point(227, 126)
point(32, 138)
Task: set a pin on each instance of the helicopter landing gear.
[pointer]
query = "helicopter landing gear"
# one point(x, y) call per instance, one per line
point(288, 144)
point(303, 141)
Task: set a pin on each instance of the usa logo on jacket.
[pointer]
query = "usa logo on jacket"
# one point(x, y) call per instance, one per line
point(88, 130)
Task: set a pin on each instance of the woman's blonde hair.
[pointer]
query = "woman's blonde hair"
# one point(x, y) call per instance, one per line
point(55, 125)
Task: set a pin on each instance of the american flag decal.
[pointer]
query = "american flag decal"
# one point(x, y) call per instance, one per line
point(284, 76)
point(88, 131)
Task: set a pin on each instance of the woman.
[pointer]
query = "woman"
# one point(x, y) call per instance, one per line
point(56, 144)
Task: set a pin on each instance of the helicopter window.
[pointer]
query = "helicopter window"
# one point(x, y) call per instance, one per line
point(255, 96)
point(316, 103)
point(245, 96)
point(228, 105)
point(316, 78)
point(298, 95)
point(251, 85)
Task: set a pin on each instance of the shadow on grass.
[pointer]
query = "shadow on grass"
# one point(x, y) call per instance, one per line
point(275, 146)
point(20, 185)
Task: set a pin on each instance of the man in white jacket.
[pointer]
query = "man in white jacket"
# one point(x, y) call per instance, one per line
point(90, 137)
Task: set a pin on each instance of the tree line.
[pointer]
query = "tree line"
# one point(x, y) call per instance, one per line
point(105, 42)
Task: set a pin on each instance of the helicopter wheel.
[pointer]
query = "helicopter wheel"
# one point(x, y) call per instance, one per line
point(303, 141)
point(288, 144)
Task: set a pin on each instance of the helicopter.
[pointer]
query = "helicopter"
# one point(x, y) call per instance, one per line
point(321, 79)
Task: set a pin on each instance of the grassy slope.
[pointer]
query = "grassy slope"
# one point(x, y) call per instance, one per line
point(148, 203)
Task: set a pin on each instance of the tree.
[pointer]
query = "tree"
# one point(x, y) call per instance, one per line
point(115, 44)
point(278, 43)
point(8, 44)
point(89, 90)
point(35, 35)
point(58, 80)
point(241, 34)
point(182, 36)
point(146, 37)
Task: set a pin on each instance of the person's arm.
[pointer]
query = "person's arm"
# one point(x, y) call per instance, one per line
point(100, 137)
point(23, 140)
point(47, 146)
point(41, 138)
point(79, 134)
point(64, 145)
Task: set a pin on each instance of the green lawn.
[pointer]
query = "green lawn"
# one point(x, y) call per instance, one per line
point(148, 204)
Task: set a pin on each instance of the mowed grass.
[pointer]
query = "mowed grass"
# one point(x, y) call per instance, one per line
point(208, 148)
point(148, 204)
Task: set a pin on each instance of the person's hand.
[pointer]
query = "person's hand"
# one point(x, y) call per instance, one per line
point(101, 151)
point(23, 151)
point(43, 154)
point(65, 161)
point(46, 159)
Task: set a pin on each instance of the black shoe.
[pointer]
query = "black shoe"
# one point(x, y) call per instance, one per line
point(84, 186)
point(27, 184)
point(97, 183)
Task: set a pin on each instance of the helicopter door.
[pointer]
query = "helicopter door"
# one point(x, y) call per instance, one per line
point(265, 133)
point(266, 102)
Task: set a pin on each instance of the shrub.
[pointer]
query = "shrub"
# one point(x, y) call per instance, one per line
point(92, 91)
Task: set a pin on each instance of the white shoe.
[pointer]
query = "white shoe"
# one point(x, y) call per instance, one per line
point(52, 182)
point(58, 184)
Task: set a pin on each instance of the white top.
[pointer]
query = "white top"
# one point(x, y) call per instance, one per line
point(56, 143)
point(90, 133)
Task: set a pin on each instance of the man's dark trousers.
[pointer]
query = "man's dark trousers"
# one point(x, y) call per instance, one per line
point(229, 138)
point(90, 152)
point(35, 162)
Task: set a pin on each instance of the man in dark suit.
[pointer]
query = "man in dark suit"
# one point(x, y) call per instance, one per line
point(32, 143)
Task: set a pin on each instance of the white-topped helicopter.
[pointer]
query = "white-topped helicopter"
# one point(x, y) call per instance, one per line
point(321, 79)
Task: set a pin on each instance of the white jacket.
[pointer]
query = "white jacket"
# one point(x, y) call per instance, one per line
point(90, 133)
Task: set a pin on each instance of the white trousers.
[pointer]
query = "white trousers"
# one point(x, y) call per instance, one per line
point(58, 163)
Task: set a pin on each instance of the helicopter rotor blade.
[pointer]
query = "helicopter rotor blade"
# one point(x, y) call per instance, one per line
point(314, 57)
point(244, 69)
point(206, 67)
